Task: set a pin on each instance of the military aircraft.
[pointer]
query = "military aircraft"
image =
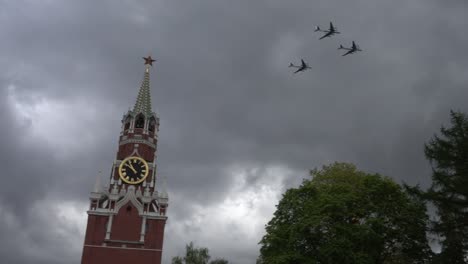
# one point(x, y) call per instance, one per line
point(351, 50)
point(330, 32)
point(302, 67)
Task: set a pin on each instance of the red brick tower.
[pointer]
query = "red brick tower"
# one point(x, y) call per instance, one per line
point(126, 220)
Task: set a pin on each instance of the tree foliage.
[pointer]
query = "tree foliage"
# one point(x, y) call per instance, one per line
point(219, 261)
point(195, 255)
point(448, 155)
point(345, 216)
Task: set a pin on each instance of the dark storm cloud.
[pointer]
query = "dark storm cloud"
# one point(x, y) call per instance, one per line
point(22, 182)
point(224, 93)
point(20, 163)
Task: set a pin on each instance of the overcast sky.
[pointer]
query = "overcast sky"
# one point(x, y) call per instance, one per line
point(237, 127)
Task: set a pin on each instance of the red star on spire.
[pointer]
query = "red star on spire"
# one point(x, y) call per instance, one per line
point(149, 60)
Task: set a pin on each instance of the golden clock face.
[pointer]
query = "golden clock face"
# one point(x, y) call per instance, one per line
point(133, 170)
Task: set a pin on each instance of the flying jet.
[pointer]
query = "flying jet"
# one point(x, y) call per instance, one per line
point(330, 32)
point(351, 50)
point(304, 66)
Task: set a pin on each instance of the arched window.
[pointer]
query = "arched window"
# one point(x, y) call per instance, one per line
point(127, 123)
point(152, 124)
point(140, 121)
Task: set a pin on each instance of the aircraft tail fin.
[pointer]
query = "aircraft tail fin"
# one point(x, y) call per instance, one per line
point(317, 28)
point(291, 65)
point(341, 47)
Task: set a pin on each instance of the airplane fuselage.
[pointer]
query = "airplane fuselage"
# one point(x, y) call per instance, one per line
point(300, 68)
point(304, 66)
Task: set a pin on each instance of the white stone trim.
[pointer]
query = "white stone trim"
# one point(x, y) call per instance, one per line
point(143, 229)
point(155, 216)
point(109, 226)
point(138, 141)
point(130, 196)
point(144, 249)
point(112, 171)
point(95, 195)
point(145, 127)
point(153, 180)
point(135, 152)
point(103, 213)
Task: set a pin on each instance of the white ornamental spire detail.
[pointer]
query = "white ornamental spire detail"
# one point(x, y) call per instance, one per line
point(97, 185)
point(163, 193)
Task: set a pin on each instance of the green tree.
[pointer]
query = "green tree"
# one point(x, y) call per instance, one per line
point(177, 260)
point(448, 155)
point(195, 255)
point(219, 261)
point(343, 215)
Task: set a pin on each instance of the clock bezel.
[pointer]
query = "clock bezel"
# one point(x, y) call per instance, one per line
point(131, 158)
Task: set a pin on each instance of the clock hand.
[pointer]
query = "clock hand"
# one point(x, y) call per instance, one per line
point(131, 167)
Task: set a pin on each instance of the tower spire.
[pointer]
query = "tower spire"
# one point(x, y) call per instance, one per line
point(127, 214)
point(143, 102)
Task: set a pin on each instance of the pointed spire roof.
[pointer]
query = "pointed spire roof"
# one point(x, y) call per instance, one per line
point(143, 102)
point(97, 185)
point(163, 190)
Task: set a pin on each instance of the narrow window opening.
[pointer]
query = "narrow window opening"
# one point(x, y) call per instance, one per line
point(152, 125)
point(140, 122)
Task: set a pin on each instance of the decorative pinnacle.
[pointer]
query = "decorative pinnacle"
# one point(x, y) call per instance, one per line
point(97, 185)
point(143, 103)
point(163, 193)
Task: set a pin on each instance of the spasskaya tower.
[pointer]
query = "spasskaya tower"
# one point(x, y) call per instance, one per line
point(126, 220)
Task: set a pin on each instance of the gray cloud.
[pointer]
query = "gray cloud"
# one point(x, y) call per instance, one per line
point(225, 96)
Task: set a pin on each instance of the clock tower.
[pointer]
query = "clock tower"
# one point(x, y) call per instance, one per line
point(126, 219)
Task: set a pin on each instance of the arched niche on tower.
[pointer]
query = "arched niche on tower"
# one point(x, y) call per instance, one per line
point(152, 124)
point(104, 202)
point(127, 123)
point(140, 121)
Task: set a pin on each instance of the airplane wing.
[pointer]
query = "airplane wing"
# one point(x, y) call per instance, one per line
point(303, 64)
point(326, 35)
point(331, 26)
point(298, 70)
point(349, 52)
